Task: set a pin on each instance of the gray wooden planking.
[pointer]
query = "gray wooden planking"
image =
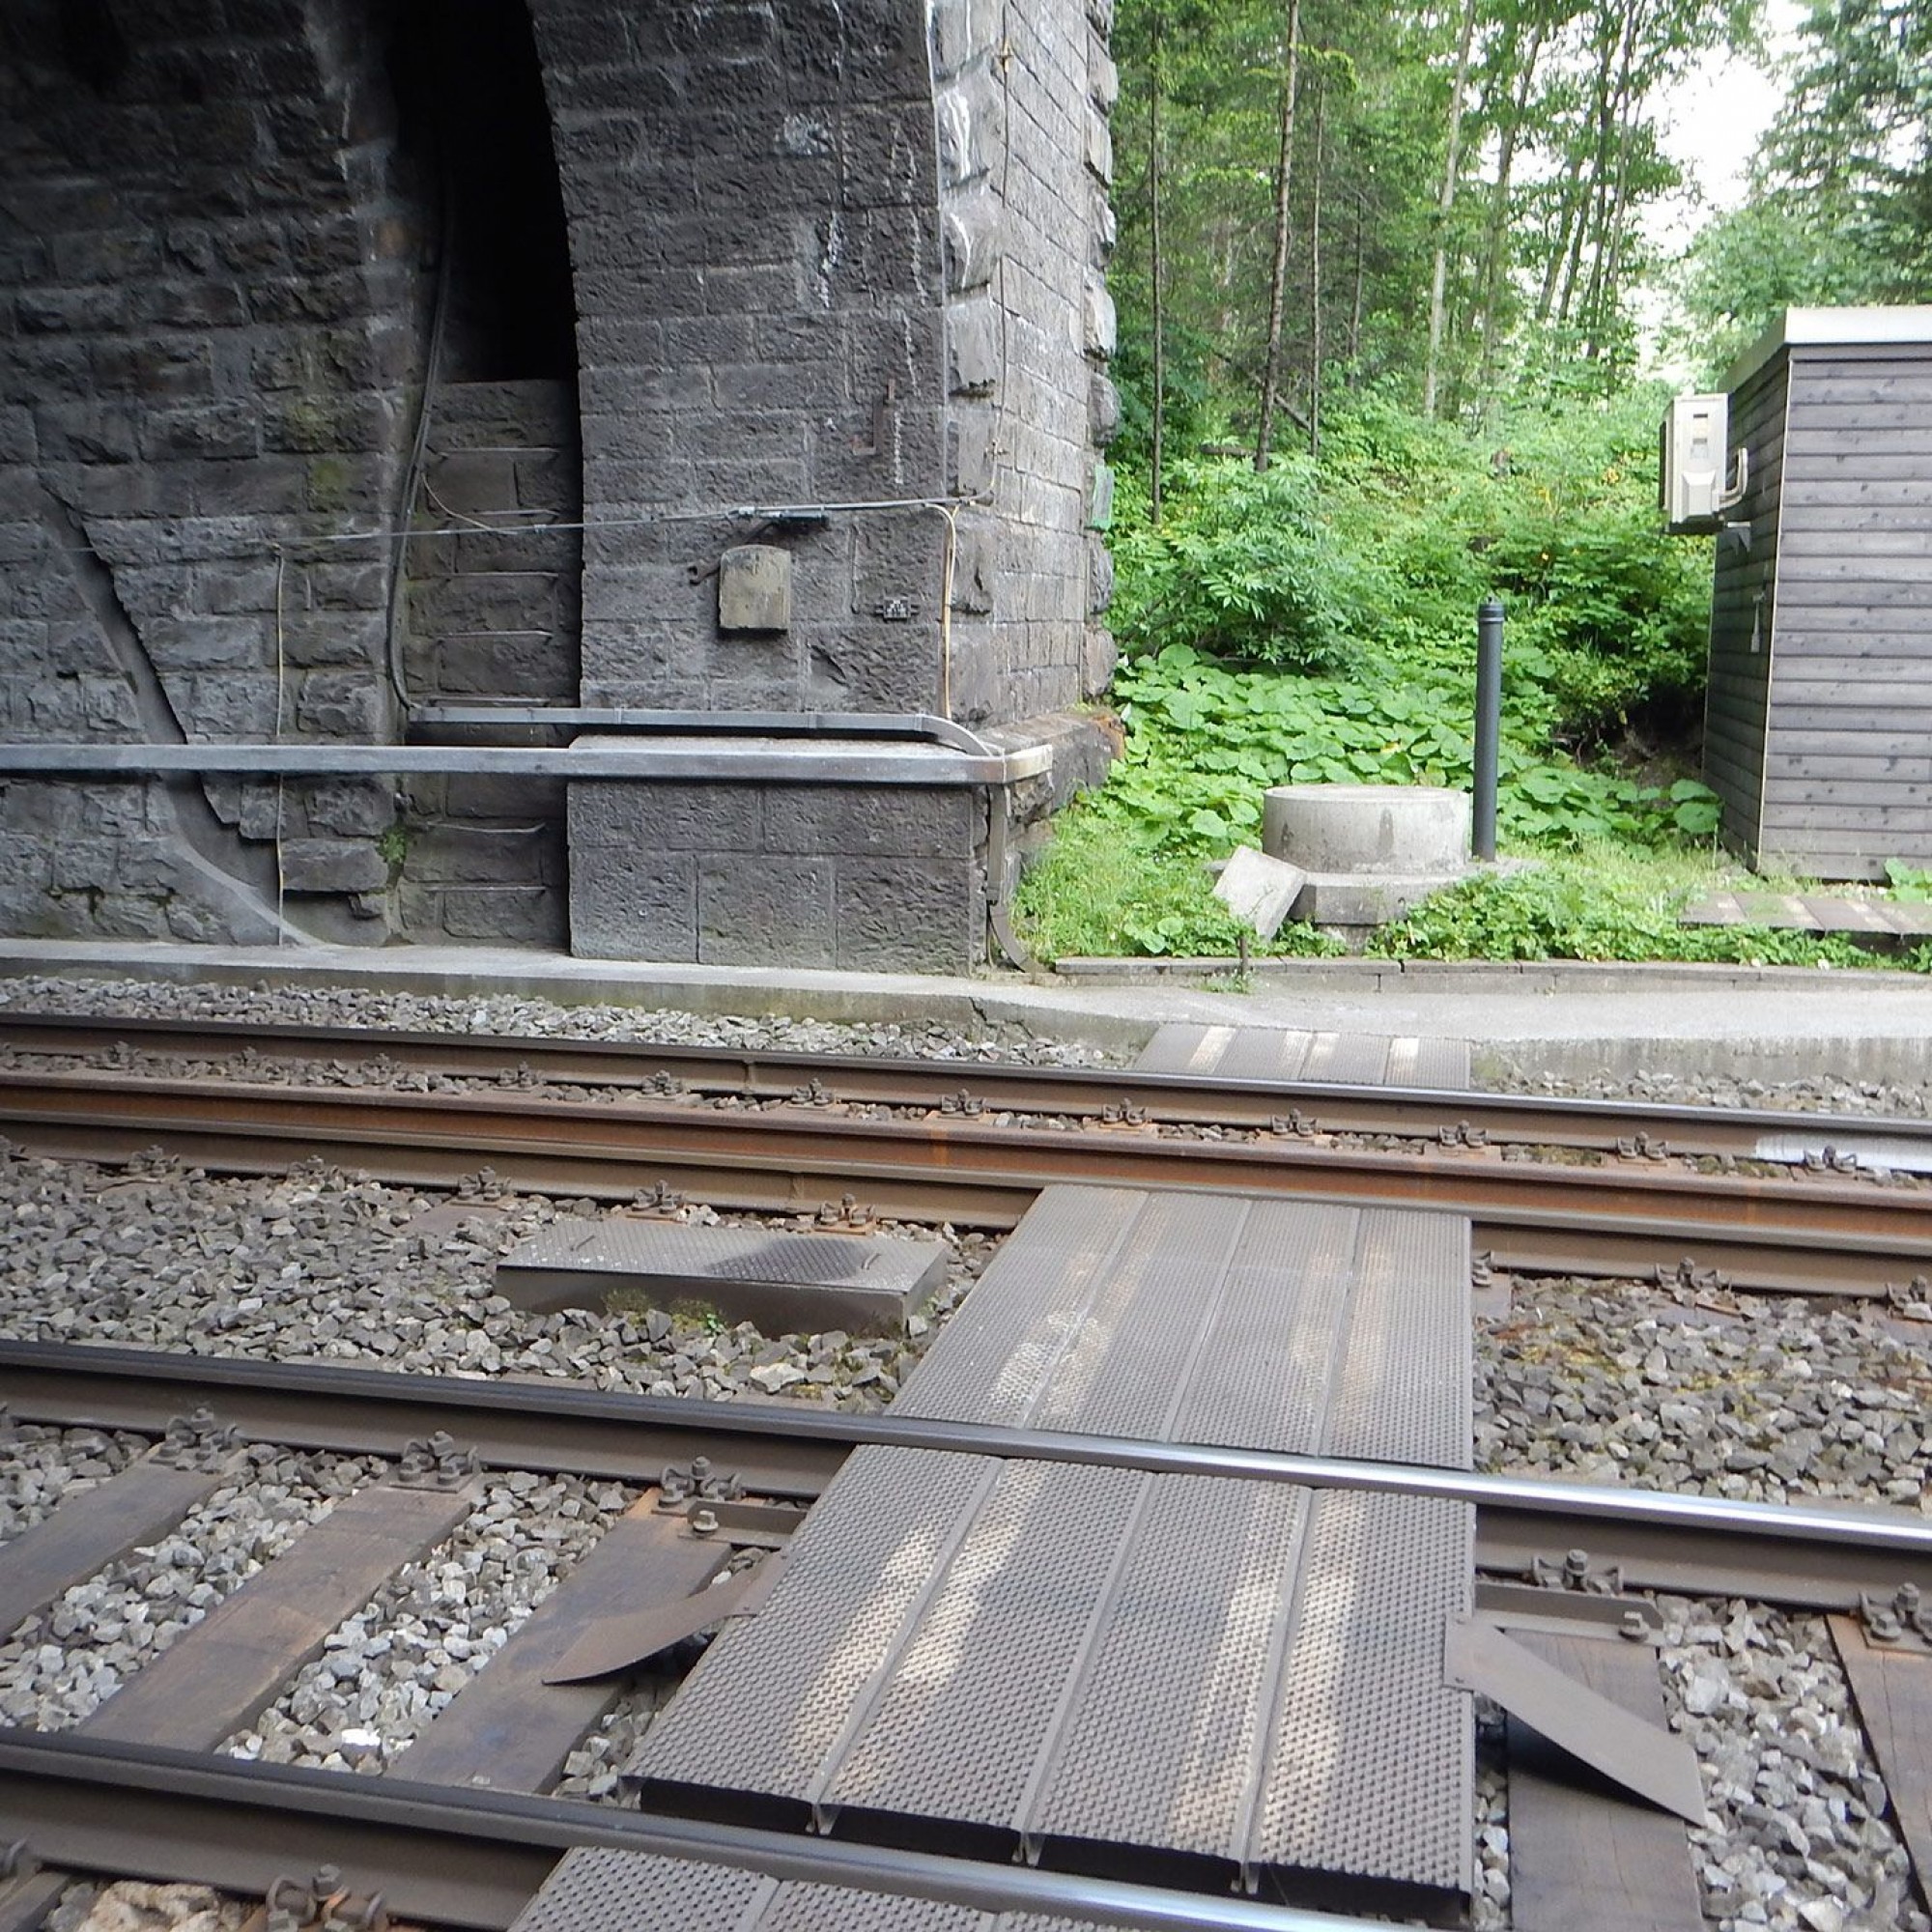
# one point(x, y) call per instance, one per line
point(1809, 735)
point(970, 1643)
point(1277, 1053)
point(1810, 912)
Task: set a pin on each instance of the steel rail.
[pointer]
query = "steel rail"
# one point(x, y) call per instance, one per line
point(1817, 1553)
point(793, 1158)
point(468, 1856)
point(1218, 1099)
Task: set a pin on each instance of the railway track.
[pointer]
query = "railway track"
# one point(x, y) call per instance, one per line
point(1470, 1120)
point(448, 1835)
point(1556, 1562)
point(1552, 1185)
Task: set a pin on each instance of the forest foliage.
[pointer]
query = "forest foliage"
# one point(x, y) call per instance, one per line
point(1456, 199)
point(1386, 279)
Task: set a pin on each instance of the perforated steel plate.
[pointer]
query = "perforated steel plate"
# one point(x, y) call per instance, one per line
point(594, 1889)
point(780, 1280)
point(1154, 1665)
point(1198, 1317)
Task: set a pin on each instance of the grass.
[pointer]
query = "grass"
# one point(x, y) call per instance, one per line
point(1106, 889)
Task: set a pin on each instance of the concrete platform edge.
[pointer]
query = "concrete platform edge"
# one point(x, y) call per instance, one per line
point(1574, 1019)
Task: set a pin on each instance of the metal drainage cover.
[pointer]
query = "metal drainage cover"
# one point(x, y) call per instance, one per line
point(781, 1281)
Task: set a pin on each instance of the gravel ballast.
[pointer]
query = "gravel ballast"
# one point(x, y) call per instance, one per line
point(1676, 1389)
point(518, 1016)
point(326, 1265)
point(1758, 1398)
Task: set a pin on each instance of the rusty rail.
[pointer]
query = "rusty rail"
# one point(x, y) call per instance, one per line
point(1215, 1100)
point(1818, 1233)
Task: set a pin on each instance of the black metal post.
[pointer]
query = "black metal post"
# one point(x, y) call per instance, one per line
point(1489, 724)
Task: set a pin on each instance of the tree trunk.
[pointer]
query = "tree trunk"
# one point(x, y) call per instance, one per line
point(1315, 279)
point(1499, 212)
point(1614, 194)
point(1566, 216)
point(1278, 277)
point(1438, 275)
point(1590, 207)
point(1154, 271)
point(1356, 307)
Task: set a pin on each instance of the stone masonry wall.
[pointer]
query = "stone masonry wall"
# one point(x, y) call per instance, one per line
point(867, 878)
point(211, 273)
point(833, 257)
point(751, 192)
point(837, 254)
point(1023, 94)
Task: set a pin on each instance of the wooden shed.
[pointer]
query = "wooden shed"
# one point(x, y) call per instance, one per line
point(1818, 725)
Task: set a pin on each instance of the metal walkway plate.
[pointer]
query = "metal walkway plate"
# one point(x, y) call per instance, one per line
point(1283, 1053)
point(598, 1891)
point(1109, 1668)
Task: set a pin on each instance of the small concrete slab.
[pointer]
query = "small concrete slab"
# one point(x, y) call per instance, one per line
point(1259, 891)
point(1367, 898)
point(783, 1281)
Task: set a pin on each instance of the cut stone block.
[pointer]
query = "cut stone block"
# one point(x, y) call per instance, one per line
point(1259, 891)
point(755, 589)
point(1383, 828)
point(781, 1281)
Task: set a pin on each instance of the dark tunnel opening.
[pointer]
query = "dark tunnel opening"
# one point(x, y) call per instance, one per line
point(470, 97)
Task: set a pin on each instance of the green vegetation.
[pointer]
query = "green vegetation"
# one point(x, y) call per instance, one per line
point(1600, 903)
point(1272, 642)
point(1841, 203)
point(1108, 887)
point(1378, 275)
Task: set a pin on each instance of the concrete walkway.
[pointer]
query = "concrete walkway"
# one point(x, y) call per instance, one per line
point(1770, 1023)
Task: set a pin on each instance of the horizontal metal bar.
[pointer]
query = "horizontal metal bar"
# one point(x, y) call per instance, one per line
point(757, 723)
point(684, 758)
point(29, 1370)
point(473, 1856)
point(563, 1428)
point(1520, 1239)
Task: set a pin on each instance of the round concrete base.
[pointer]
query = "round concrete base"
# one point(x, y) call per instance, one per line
point(1378, 829)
